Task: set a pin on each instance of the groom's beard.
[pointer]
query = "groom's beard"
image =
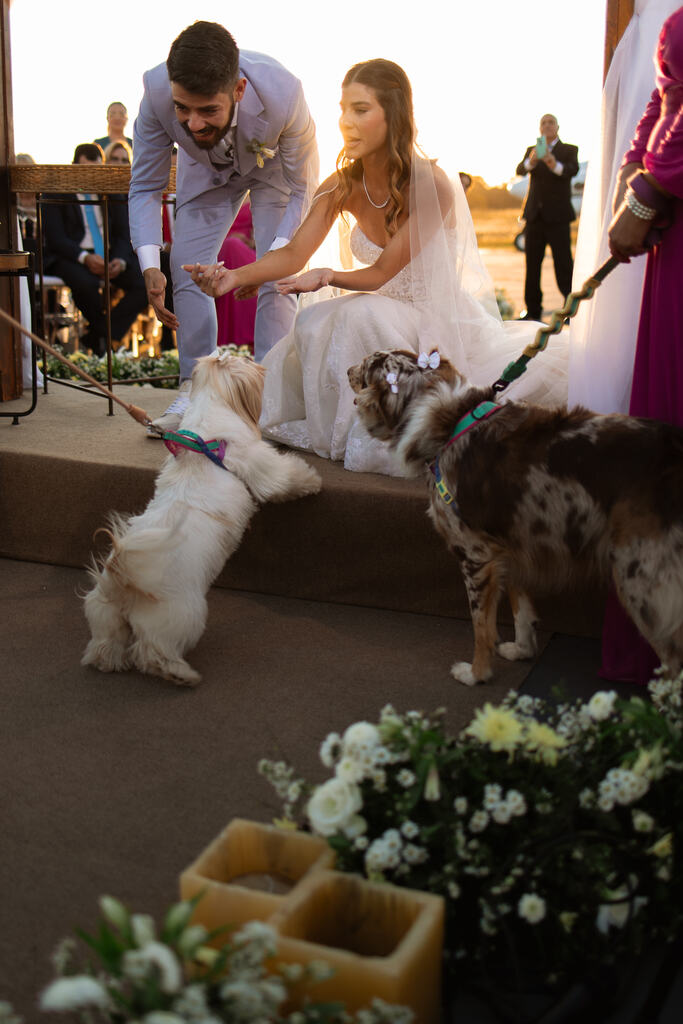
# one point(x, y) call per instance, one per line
point(209, 138)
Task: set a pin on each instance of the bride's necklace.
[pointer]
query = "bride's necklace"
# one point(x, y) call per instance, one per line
point(378, 206)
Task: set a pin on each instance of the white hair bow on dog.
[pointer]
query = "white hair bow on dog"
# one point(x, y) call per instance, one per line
point(392, 380)
point(431, 361)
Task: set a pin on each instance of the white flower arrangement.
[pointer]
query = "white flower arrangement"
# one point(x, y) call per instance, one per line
point(135, 977)
point(553, 830)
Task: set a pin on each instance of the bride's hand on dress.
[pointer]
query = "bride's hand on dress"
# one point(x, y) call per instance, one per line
point(214, 279)
point(311, 281)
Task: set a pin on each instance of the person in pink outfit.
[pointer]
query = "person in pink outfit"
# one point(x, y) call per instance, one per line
point(236, 316)
point(650, 193)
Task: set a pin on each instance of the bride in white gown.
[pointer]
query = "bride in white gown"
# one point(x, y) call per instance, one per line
point(421, 284)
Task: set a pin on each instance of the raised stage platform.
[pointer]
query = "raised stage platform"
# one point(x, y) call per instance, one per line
point(364, 540)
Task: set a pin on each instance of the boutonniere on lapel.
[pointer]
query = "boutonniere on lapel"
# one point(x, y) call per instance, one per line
point(263, 153)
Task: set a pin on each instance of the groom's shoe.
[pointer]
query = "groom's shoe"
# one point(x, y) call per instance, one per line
point(170, 419)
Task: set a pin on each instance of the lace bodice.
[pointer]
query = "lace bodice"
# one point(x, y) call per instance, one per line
point(402, 287)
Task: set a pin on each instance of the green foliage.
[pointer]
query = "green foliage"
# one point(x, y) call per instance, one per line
point(131, 976)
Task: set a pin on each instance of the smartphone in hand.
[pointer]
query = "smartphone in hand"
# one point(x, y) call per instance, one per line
point(541, 147)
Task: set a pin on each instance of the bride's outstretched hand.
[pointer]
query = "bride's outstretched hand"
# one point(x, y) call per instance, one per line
point(213, 279)
point(311, 281)
point(247, 291)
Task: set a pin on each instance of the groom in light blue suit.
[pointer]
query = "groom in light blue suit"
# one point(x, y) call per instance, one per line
point(241, 125)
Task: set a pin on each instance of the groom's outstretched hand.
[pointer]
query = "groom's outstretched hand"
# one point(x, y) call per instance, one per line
point(214, 279)
point(155, 283)
point(311, 281)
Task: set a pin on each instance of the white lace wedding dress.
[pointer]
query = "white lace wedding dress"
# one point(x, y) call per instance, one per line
point(308, 403)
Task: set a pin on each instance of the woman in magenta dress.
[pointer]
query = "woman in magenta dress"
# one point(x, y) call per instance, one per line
point(236, 316)
point(651, 185)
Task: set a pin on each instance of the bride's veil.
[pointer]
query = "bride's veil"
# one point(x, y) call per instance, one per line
point(452, 287)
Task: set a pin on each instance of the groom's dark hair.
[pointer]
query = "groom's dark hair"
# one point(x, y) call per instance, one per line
point(204, 59)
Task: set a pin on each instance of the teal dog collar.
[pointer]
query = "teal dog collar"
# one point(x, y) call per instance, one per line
point(477, 415)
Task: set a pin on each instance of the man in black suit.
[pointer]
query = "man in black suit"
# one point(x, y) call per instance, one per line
point(74, 251)
point(551, 164)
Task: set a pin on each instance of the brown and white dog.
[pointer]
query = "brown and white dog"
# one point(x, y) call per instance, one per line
point(538, 496)
point(147, 606)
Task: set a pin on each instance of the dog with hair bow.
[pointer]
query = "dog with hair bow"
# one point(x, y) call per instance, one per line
point(148, 603)
point(531, 498)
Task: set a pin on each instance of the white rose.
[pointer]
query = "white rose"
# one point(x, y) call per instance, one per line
point(362, 736)
point(531, 907)
point(333, 805)
point(356, 826)
point(74, 993)
point(349, 769)
point(601, 705)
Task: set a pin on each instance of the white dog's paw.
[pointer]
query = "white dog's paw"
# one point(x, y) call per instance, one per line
point(515, 652)
point(462, 671)
point(180, 673)
point(106, 656)
point(309, 481)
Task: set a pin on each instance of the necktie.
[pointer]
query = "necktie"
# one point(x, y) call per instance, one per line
point(97, 242)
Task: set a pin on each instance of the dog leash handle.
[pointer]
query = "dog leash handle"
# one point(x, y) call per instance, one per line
point(558, 319)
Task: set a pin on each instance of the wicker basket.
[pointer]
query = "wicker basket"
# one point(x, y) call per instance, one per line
point(74, 178)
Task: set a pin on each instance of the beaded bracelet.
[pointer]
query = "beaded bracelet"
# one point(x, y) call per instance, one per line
point(638, 208)
point(648, 194)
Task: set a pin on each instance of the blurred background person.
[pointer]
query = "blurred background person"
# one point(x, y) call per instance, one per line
point(603, 332)
point(26, 211)
point(548, 211)
point(236, 316)
point(119, 153)
point(117, 119)
point(74, 242)
point(650, 191)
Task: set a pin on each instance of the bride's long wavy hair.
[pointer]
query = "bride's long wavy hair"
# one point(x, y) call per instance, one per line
point(395, 95)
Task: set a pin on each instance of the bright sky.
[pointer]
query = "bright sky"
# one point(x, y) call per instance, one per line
point(483, 71)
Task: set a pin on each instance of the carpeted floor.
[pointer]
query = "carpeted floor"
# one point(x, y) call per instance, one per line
point(336, 605)
point(113, 783)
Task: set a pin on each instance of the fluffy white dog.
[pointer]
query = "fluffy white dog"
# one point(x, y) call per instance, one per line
point(148, 605)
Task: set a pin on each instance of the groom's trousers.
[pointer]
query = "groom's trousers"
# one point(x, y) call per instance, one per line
point(200, 228)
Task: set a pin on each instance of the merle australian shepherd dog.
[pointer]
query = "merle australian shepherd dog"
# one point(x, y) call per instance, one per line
point(529, 497)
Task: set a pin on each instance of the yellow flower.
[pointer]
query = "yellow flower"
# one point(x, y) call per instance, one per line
point(285, 823)
point(649, 762)
point(432, 787)
point(664, 847)
point(545, 741)
point(498, 728)
point(567, 919)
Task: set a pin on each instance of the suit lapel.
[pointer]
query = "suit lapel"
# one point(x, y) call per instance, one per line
point(250, 126)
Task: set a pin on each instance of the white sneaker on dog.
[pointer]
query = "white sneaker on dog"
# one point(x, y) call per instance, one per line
point(170, 419)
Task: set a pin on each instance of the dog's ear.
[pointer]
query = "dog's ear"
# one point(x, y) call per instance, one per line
point(244, 383)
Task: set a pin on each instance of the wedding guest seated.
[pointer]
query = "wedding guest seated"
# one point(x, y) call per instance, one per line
point(119, 153)
point(26, 210)
point(75, 252)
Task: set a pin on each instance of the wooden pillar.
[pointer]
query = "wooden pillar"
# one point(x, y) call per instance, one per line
point(10, 340)
point(619, 13)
